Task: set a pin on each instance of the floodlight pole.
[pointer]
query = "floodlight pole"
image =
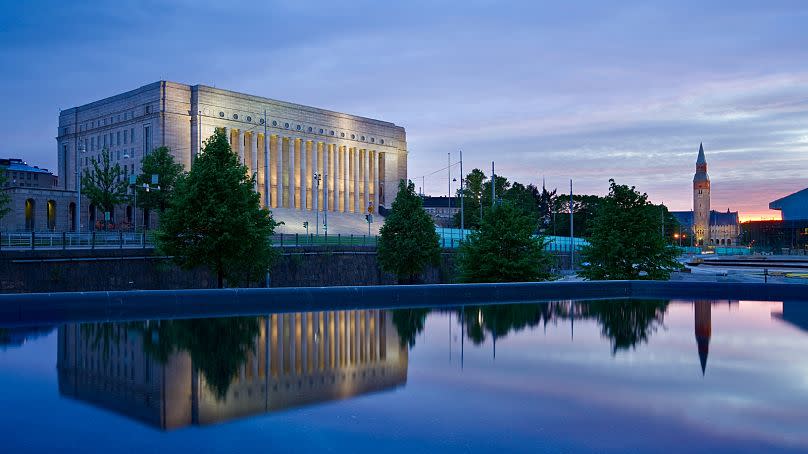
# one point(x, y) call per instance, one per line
point(572, 236)
point(462, 216)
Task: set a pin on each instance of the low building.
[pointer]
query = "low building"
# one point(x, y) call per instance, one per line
point(774, 236)
point(724, 227)
point(19, 174)
point(442, 209)
point(793, 206)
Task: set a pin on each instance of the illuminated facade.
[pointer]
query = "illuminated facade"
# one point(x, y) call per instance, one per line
point(706, 226)
point(359, 160)
point(296, 359)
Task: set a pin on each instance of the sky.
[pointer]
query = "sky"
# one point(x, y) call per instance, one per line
point(588, 90)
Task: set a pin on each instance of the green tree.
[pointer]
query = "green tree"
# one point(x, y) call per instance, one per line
point(159, 162)
point(472, 196)
point(504, 249)
point(104, 183)
point(627, 241)
point(584, 209)
point(215, 218)
point(408, 241)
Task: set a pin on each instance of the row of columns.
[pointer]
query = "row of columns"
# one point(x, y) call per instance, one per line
point(304, 343)
point(348, 178)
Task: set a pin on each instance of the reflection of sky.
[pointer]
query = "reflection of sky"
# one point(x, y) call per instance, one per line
point(586, 89)
point(544, 391)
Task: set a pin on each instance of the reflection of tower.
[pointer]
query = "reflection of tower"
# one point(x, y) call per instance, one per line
point(701, 200)
point(704, 329)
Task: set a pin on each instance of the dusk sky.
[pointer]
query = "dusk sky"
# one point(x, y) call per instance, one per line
point(588, 90)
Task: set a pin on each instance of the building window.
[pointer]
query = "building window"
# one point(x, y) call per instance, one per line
point(261, 121)
point(148, 109)
point(64, 131)
point(125, 136)
point(105, 140)
point(92, 143)
point(310, 128)
point(235, 116)
point(118, 138)
point(249, 118)
point(363, 138)
point(274, 123)
point(132, 135)
point(331, 132)
point(286, 125)
point(221, 114)
point(381, 141)
point(321, 130)
point(146, 141)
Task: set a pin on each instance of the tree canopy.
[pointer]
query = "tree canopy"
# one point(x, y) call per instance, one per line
point(159, 162)
point(408, 242)
point(504, 249)
point(627, 241)
point(215, 219)
point(104, 184)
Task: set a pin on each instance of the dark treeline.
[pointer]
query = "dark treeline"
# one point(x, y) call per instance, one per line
point(549, 209)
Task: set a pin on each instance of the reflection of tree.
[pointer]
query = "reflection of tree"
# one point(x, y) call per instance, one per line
point(626, 323)
point(409, 323)
point(218, 346)
point(500, 320)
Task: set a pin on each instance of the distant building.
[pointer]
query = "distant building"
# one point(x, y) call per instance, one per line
point(774, 236)
point(707, 227)
point(442, 209)
point(793, 206)
point(35, 198)
point(19, 174)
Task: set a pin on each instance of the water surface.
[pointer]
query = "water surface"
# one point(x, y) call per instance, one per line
point(605, 376)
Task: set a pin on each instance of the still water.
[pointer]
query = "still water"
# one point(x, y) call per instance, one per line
point(605, 376)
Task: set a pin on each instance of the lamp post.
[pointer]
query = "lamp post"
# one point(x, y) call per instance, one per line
point(79, 149)
point(316, 178)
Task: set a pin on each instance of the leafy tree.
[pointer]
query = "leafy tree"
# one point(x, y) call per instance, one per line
point(504, 249)
point(408, 241)
point(159, 162)
point(472, 196)
point(626, 241)
point(584, 209)
point(526, 199)
point(215, 219)
point(104, 184)
point(546, 210)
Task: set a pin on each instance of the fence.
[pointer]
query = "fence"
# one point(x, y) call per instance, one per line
point(134, 240)
point(75, 240)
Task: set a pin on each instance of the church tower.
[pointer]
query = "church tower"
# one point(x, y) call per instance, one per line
point(701, 201)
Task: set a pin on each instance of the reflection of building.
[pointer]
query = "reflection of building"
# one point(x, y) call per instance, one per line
point(707, 227)
point(795, 313)
point(297, 359)
point(704, 330)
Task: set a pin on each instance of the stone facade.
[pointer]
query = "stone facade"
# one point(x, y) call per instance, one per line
point(705, 226)
point(350, 162)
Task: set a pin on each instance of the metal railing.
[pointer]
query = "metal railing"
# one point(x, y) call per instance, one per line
point(139, 240)
point(74, 240)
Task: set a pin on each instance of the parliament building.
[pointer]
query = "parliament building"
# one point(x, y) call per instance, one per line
point(304, 159)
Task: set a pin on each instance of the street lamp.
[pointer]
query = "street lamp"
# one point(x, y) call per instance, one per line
point(316, 177)
point(79, 149)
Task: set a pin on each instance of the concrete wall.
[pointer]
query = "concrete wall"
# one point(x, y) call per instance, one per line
point(107, 270)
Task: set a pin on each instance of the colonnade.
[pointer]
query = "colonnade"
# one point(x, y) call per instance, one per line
point(308, 174)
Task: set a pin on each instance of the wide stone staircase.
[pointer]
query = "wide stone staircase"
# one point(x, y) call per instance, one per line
point(338, 223)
